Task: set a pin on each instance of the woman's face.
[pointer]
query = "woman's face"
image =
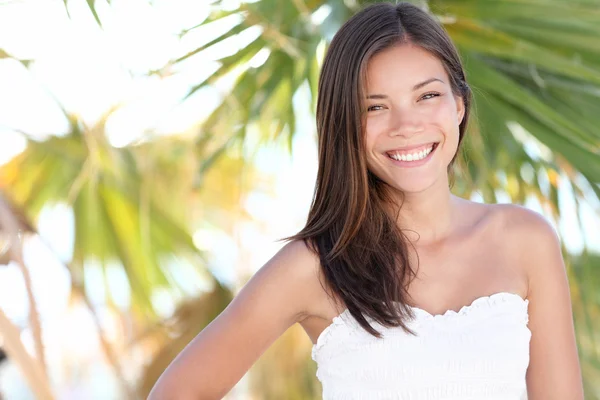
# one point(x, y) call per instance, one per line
point(409, 107)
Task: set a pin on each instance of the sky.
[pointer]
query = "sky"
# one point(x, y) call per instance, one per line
point(89, 70)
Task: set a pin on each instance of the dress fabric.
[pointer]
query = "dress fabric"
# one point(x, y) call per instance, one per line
point(478, 353)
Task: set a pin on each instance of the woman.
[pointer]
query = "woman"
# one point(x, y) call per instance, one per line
point(406, 291)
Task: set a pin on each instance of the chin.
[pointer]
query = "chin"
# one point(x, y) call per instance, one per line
point(411, 187)
point(415, 189)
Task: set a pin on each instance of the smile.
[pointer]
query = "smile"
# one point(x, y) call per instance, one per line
point(413, 158)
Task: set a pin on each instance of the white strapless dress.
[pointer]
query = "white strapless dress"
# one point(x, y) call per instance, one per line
point(478, 353)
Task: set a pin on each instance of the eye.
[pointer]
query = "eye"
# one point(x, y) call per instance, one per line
point(371, 108)
point(430, 94)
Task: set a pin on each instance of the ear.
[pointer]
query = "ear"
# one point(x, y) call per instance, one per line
point(460, 109)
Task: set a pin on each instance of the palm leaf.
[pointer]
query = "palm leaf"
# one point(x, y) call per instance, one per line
point(120, 215)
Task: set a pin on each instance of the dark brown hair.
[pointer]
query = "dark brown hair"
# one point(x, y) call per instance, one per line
point(363, 253)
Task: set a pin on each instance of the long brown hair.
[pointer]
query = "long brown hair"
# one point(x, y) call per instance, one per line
point(363, 253)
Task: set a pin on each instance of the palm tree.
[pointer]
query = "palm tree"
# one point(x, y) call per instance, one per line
point(130, 206)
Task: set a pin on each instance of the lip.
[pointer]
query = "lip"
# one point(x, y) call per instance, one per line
point(412, 164)
point(417, 146)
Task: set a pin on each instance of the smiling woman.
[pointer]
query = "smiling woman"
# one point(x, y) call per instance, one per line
point(409, 119)
point(406, 290)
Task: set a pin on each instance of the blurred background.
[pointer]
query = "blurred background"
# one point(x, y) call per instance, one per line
point(153, 152)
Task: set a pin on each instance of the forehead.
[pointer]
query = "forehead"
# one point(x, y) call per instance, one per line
point(403, 65)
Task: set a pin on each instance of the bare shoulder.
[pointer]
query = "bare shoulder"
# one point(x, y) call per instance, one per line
point(295, 271)
point(531, 237)
point(317, 299)
point(522, 217)
point(511, 218)
point(527, 227)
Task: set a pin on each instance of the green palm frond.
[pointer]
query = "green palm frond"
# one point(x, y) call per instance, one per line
point(4, 54)
point(535, 64)
point(122, 213)
point(535, 70)
point(586, 307)
point(262, 94)
point(91, 6)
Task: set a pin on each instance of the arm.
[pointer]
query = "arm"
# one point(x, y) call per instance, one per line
point(554, 371)
point(217, 358)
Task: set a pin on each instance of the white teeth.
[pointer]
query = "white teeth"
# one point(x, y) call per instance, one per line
point(413, 156)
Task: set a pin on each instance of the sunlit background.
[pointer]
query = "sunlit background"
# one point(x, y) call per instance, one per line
point(93, 95)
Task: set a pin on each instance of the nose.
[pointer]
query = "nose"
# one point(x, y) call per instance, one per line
point(406, 122)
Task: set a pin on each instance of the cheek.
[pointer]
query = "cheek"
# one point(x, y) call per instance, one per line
point(371, 131)
point(450, 113)
point(441, 114)
point(371, 135)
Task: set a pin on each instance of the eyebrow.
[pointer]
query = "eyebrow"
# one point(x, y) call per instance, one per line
point(416, 87)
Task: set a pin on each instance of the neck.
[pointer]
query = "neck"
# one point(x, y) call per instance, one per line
point(428, 218)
